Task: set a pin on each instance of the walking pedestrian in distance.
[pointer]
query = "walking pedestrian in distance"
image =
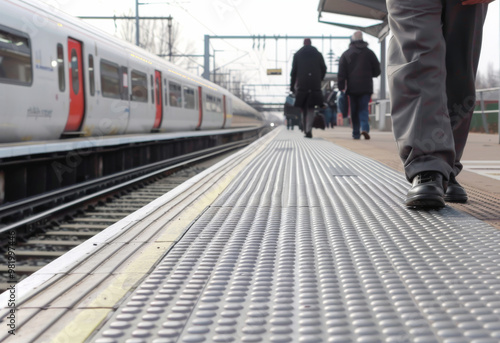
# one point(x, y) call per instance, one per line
point(432, 64)
point(308, 70)
point(358, 65)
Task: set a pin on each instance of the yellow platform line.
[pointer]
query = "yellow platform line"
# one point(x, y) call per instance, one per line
point(90, 319)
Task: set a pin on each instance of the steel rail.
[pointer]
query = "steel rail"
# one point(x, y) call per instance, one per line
point(145, 171)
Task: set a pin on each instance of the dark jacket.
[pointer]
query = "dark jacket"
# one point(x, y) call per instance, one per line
point(308, 70)
point(358, 65)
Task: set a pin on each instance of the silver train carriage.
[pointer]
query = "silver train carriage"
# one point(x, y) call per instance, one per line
point(62, 77)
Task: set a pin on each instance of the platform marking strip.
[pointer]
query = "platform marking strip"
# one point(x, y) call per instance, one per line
point(489, 168)
point(82, 326)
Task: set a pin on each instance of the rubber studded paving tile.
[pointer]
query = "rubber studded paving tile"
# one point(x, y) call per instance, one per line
point(312, 244)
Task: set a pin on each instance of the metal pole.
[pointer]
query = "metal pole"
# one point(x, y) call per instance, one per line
point(206, 72)
point(170, 40)
point(280, 37)
point(286, 59)
point(383, 75)
point(215, 71)
point(206, 62)
point(276, 65)
point(483, 117)
point(137, 23)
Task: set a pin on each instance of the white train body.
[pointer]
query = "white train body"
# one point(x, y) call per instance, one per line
point(62, 77)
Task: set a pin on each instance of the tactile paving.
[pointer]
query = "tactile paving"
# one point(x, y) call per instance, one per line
point(311, 243)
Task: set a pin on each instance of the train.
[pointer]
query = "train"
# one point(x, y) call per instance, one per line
point(61, 77)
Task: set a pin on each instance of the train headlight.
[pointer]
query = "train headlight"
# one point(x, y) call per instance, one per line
point(54, 64)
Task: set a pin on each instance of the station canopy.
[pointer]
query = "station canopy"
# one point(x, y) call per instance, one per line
point(368, 9)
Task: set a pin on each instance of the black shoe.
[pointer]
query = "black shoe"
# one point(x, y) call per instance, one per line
point(455, 192)
point(308, 135)
point(365, 134)
point(427, 191)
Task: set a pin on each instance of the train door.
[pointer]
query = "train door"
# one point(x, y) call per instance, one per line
point(76, 90)
point(224, 109)
point(200, 106)
point(159, 102)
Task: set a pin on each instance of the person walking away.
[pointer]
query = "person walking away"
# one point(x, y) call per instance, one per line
point(308, 70)
point(291, 114)
point(342, 108)
point(358, 65)
point(432, 65)
point(331, 103)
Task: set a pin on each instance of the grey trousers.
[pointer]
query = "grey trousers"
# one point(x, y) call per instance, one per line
point(432, 64)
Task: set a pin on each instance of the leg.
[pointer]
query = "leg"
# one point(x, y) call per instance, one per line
point(309, 122)
point(328, 116)
point(354, 103)
point(462, 30)
point(363, 112)
point(417, 76)
point(303, 114)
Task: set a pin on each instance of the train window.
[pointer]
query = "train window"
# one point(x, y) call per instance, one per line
point(152, 90)
point(60, 67)
point(208, 102)
point(15, 57)
point(110, 80)
point(139, 86)
point(91, 75)
point(74, 72)
point(213, 104)
point(175, 91)
point(190, 100)
point(218, 105)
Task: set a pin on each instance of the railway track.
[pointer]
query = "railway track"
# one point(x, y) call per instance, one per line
point(48, 235)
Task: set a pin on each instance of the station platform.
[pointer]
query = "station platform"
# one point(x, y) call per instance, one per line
point(289, 240)
point(480, 176)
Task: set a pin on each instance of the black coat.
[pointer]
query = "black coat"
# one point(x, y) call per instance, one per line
point(308, 70)
point(358, 65)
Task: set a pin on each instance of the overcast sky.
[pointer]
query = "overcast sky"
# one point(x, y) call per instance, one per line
point(256, 17)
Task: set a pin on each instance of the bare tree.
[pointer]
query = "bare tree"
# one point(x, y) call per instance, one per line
point(490, 79)
point(155, 36)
